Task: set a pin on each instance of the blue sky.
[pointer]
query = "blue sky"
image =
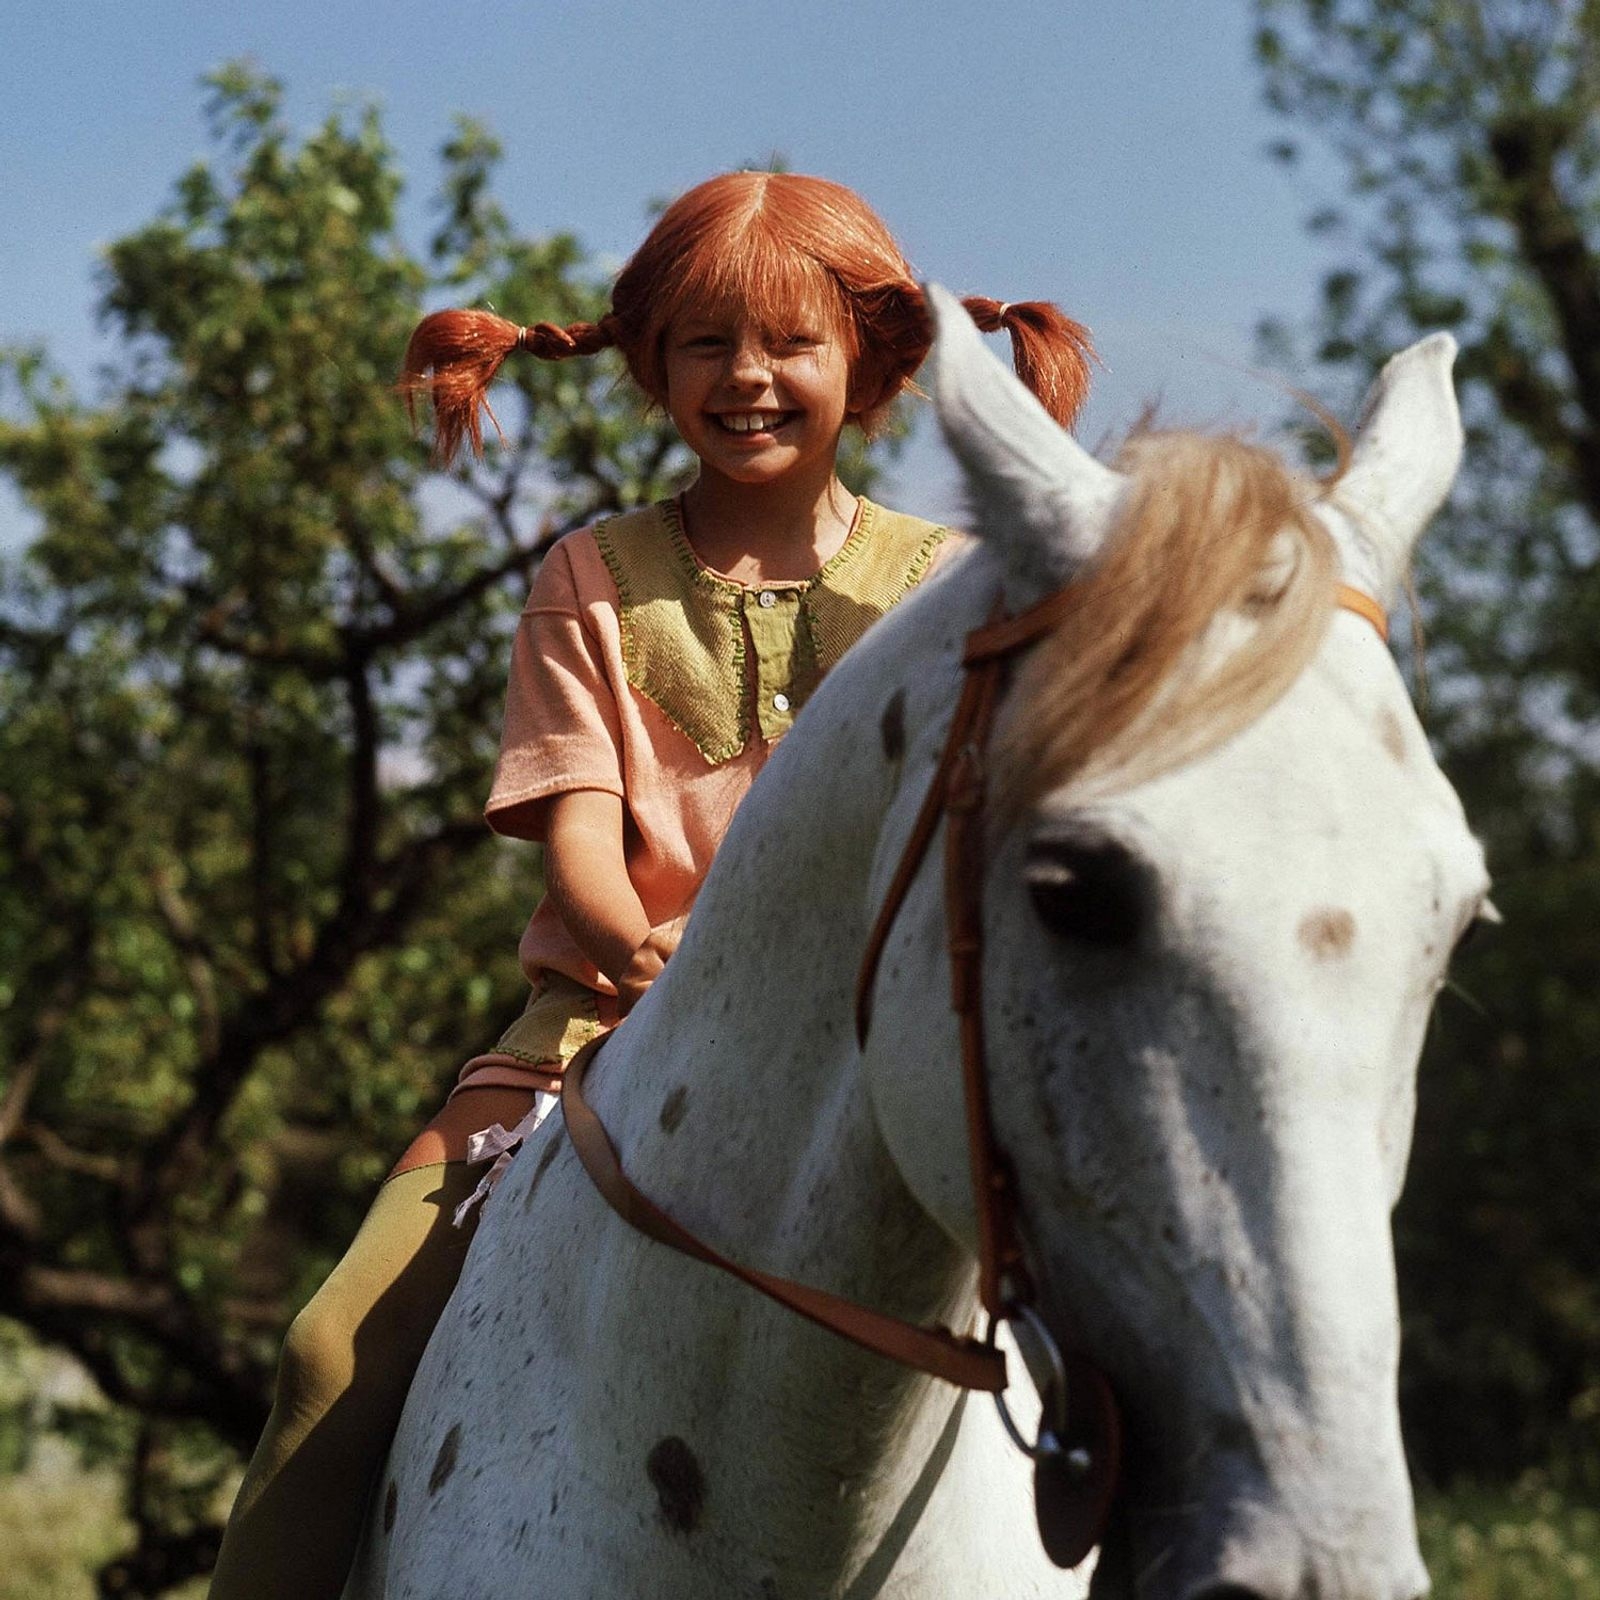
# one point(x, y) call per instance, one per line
point(1108, 154)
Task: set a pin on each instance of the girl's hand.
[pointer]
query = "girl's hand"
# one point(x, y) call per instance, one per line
point(645, 964)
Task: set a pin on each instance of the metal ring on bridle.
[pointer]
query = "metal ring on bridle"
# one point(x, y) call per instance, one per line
point(1034, 1337)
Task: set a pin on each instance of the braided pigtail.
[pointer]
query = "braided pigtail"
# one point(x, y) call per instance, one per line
point(1050, 351)
point(453, 356)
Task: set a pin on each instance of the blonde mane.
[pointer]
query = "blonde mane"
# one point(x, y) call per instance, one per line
point(1137, 679)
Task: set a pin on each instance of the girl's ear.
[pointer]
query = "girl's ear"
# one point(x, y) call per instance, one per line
point(868, 386)
point(874, 382)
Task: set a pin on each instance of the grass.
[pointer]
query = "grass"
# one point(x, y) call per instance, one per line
point(1528, 1543)
point(57, 1524)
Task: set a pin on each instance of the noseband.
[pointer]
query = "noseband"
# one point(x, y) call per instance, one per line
point(1077, 1453)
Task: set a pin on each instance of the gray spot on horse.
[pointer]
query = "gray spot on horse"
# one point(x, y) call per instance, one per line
point(391, 1506)
point(672, 1108)
point(445, 1462)
point(1392, 735)
point(680, 1485)
point(1328, 933)
point(547, 1155)
point(892, 726)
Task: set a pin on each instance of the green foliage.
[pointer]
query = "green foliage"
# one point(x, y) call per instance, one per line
point(57, 1527)
point(251, 670)
point(1530, 1543)
point(251, 667)
point(1470, 133)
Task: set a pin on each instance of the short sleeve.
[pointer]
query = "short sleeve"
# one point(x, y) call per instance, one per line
point(562, 730)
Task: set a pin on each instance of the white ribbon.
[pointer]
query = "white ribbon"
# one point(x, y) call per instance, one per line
point(502, 1146)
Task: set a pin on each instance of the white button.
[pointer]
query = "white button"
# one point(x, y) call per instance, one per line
point(780, 702)
point(766, 599)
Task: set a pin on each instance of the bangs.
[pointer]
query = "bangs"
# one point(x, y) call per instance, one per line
point(791, 254)
point(748, 270)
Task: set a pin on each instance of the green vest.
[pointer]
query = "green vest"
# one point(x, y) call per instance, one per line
point(687, 633)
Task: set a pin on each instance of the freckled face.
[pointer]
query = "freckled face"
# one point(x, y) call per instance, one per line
point(753, 403)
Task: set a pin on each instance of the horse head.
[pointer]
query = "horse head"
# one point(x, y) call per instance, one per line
point(1224, 878)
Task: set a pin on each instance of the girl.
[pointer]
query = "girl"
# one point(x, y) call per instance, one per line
point(659, 658)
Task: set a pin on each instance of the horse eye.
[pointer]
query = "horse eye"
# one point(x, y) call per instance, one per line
point(1088, 886)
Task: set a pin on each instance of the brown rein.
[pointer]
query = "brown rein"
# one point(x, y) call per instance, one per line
point(958, 1359)
point(955, 796)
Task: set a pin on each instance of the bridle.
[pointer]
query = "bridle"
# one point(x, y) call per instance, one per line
point(1077, 1454)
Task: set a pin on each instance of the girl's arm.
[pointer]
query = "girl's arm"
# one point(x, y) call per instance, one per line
point(586, 877)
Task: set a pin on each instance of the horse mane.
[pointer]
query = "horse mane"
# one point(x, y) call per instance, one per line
point(1139, 678)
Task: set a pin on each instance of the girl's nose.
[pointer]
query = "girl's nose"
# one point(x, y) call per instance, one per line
point(748, 363)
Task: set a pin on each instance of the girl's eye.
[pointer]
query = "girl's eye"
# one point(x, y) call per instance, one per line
point(707, 339)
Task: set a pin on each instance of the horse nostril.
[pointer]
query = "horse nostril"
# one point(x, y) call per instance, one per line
point(1086, 885)
point(1227, 1591)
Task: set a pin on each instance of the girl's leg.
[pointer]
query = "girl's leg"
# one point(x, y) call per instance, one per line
point(346, 1366)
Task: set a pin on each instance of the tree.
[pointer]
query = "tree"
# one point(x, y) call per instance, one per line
point(1469, 131)
point(250, 677)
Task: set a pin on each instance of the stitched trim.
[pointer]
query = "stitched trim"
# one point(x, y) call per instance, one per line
point(732, 594)
point(924, 557)
point(834, 615)
point(528, 1058)
point(687, 637)
point(860, 531)
point(682, 630)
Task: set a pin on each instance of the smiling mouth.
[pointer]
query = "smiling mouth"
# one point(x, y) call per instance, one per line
point(753, 424)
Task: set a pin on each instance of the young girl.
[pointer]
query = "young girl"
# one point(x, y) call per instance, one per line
point(660, 657)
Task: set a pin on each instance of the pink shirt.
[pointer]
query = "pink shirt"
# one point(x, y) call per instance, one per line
point(577, 718)
point(573, 722)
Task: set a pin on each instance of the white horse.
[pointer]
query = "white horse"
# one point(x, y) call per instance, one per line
point(1214, 933)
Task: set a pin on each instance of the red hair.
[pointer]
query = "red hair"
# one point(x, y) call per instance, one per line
point(772, 246)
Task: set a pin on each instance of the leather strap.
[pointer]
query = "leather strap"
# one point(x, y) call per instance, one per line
point(1358, 601)
point(1002, 1277)
point(929, 815)
point(955, 795)
point(999, 637)
point(957, 1358)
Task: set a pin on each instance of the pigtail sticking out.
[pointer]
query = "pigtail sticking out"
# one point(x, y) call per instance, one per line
point(1050, 351)
point(453, 356)
point(772, 246)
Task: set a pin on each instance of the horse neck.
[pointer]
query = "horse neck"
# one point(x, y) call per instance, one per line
point(743, 1081)
point(735, 1093)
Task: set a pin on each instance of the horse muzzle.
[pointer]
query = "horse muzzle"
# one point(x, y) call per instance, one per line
point(1250, 1551)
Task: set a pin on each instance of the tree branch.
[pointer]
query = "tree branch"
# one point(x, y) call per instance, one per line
point(56, 1150)
point(360, 643)
point(362, 814)
point(14, 1103)
point(426, 612)
point(291, 999)
point(18, 1212)
point(159, 1562)
point(79, 1309)
point(394, 592)
point(1525, 146)
point(183, 929)
point(19, 1216)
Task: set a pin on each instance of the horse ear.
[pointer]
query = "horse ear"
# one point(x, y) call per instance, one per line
point(1406, 454)
point(1037, 495)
